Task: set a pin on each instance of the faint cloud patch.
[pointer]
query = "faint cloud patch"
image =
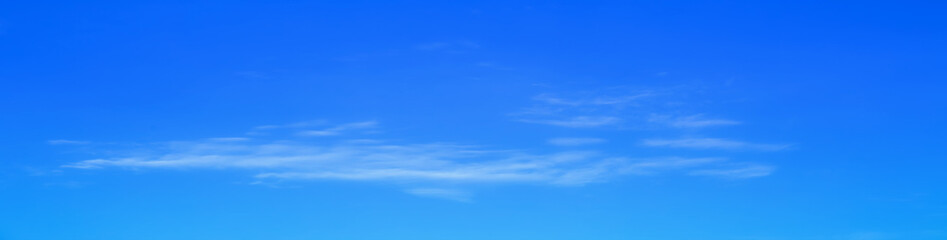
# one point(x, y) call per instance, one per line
point(638, 108)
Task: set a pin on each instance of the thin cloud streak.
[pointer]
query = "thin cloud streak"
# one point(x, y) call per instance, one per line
point(295, 158)
point(377, 161)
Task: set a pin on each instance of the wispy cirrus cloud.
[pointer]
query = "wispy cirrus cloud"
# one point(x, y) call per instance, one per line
point(319, 151)
point(712, 143)
point(298, 159)
point(638, 108)
point(363, 162)
point(657, 110)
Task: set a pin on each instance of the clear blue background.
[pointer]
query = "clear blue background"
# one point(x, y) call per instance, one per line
point(857, 88)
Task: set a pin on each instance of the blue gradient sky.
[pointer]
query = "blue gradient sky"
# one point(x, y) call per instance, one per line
point(460, 120)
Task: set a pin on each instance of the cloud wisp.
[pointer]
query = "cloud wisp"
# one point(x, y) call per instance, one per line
point(621, 108)
point(288, 159)
point(318, 151)
point(653, 110)
point(283, 160)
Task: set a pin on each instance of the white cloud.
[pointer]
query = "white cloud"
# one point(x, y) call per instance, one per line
point(578, 122)
point(635, 108)
point(711, 143)
point(574, 141)
point(379, 161)
point(460, 173)
point(364, 162)
point(411, 164)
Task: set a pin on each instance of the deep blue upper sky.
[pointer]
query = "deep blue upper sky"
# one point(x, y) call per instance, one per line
point(473, 120)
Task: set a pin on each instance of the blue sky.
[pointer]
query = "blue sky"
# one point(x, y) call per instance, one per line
point(547, 120)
